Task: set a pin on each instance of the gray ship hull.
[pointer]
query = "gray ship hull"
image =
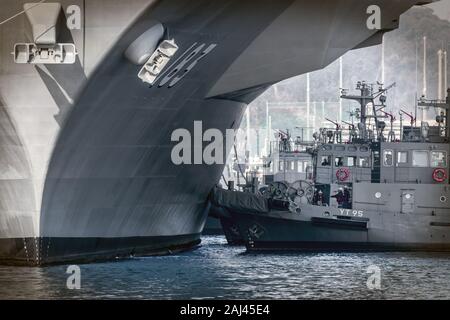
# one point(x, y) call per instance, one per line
point(87, 146)
point(32, 251)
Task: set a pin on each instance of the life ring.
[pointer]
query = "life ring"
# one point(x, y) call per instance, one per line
point(342, 174)
point(439, 175)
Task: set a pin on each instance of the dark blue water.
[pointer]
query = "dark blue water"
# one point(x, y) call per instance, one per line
point(216, 270)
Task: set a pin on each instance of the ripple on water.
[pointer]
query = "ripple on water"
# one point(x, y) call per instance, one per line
point(216, 270)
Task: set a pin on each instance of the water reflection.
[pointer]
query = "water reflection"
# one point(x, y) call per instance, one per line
point(218, 271)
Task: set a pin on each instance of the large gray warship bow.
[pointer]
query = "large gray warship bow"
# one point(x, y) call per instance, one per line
point(88, 108)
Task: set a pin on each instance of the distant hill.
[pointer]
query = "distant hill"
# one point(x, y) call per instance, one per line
point(365, 64)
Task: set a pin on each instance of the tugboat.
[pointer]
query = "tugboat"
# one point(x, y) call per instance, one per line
point(373, 192)
point(286, 170)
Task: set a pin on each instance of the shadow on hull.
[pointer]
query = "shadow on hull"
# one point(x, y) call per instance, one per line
point(25, 252)
point(271, 233)
point(339, 247)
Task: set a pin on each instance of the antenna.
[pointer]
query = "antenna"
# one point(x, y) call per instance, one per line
point(410, 116)
point(424, 92)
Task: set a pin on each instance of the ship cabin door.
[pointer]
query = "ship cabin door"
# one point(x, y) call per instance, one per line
point(408, 201)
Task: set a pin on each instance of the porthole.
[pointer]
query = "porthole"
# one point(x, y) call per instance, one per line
point(378, 195)
point(443, 199)
point(408, 196)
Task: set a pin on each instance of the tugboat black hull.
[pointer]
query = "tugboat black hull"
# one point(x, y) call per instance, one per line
point(222, 217)
point(290, 235)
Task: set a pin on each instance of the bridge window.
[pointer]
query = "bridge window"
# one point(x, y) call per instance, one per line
point(388, 158)
point(307, 166)
point(438, 159)
point(325, 161)
point(402, 157)
point(363, 162)
point(339, 162)
point(376, 159)
point(420, 158)
point(299, 166)
point(364, 149)
point(351, 161)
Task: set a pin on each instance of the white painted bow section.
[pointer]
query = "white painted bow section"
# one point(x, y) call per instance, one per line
point(42, 28)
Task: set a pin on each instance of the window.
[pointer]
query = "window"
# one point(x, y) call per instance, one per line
point(363, 162)
point(376, 159)
point(420, 158)
point(364, 149)
point(339, 162)
point(438, 159)
point(402, 157)
point(351, 161)
point(281, 167)
point(292, 165)
point(388, 158)
point(299, 166)
point(307, 166)
point(271, 166)
point(325, 161)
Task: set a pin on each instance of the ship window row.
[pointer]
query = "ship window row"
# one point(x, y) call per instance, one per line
point(419, 158)
point(299, 166)
point(344, 148)
point(349, 161)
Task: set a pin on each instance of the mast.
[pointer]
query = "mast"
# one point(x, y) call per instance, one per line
point(417, 84)
point(424, 87)
point(368, 96)
point(247, 140)
point(445, 71)
point(308, 125)
point(314, 116)
point(267, 129)
point(382, 63)
point(363, 99)
point(440, 78)
point(439, 104)
point(341, 85)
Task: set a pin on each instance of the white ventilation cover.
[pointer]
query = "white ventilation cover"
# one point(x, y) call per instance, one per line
point(157, 61)
point(60, 53)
